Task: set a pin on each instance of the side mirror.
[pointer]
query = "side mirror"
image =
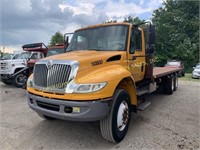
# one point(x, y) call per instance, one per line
point(151, 34)
point(66, 40)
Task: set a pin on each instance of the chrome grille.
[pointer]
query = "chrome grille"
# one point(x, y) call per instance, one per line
point(56, 77)
point(3, 65)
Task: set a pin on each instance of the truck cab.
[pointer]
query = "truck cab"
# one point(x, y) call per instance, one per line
point(106, 69)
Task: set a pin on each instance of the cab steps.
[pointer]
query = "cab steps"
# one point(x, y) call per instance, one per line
point(142, 92)
point(143, 105)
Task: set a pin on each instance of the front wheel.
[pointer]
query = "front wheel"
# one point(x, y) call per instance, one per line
point(19, 80)
point(115, 126)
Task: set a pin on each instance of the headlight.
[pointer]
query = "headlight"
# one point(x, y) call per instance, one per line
point(88, 88)
point(6, 66)
point(29, 82)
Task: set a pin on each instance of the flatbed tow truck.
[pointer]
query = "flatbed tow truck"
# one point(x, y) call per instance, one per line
point(104, 76)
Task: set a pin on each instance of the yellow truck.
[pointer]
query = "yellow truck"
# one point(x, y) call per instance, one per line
point(106, 71)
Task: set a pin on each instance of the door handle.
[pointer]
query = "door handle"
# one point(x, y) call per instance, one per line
point(142, 67)
point(134, 58)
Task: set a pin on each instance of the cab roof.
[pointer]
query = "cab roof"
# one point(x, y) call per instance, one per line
point(104, 24)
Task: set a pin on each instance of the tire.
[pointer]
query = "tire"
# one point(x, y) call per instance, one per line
point(115, 126)
point(7, 82)
point(19, 80)
point(175, 83)
point(46, 117)
point(169, 85)
point(183, 74)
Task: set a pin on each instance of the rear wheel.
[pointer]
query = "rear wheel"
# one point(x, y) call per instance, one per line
point(175, 83)
point(183, 74)
point(19, 80)
point(168, 85)
point(115, 126)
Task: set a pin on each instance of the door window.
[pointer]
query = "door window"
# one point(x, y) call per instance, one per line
point(34, 56)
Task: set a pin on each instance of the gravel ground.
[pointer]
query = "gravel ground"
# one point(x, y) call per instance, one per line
point(170, 122)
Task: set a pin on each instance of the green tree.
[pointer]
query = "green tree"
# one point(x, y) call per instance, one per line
point(132, 20)
point(56, 38)
point(129, 19)
point(177, 32)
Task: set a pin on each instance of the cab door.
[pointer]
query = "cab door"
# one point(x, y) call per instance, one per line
point(136, 55)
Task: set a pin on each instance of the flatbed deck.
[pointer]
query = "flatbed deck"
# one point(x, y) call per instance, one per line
point(162, 71)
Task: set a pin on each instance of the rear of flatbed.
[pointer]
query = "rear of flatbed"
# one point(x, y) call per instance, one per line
point(159, 72)
point(166, 78)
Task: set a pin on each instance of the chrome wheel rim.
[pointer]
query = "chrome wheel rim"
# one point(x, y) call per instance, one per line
point(122, 116)
point(176, 82)
point(173, 84)
point(20, 79)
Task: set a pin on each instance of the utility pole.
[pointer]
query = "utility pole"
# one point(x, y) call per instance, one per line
point(3, 49)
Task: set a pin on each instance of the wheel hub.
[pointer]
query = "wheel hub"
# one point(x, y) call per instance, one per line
point(122, 116)
point(21, 79)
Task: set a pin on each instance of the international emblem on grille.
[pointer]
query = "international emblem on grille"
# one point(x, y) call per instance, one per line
point(49, 64)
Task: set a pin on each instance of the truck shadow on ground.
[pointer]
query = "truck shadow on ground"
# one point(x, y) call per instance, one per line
point(7, 86)
point(78, 134)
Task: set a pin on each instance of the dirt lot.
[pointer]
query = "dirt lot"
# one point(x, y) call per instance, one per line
point(170, 122)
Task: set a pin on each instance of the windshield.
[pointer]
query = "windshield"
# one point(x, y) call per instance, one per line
point(111, 37)
point(55, 51)
point(16, 56)
point(7, 56)
point(25, 55)
point(197, 67)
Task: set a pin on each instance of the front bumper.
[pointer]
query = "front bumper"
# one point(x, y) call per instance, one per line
point(70, 110)
point(5, 76)
point(196, 75)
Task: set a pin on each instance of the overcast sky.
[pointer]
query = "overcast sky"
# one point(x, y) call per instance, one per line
point(28, 21)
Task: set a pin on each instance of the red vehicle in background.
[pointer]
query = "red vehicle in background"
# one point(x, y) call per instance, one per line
point(19, 78)
point(36, 51)
point(56, 49)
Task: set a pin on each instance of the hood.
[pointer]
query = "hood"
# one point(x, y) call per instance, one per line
point(90, 58)
point(197, 69)
point(13, 61)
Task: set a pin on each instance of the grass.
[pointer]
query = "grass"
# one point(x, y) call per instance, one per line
point(188, 77)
